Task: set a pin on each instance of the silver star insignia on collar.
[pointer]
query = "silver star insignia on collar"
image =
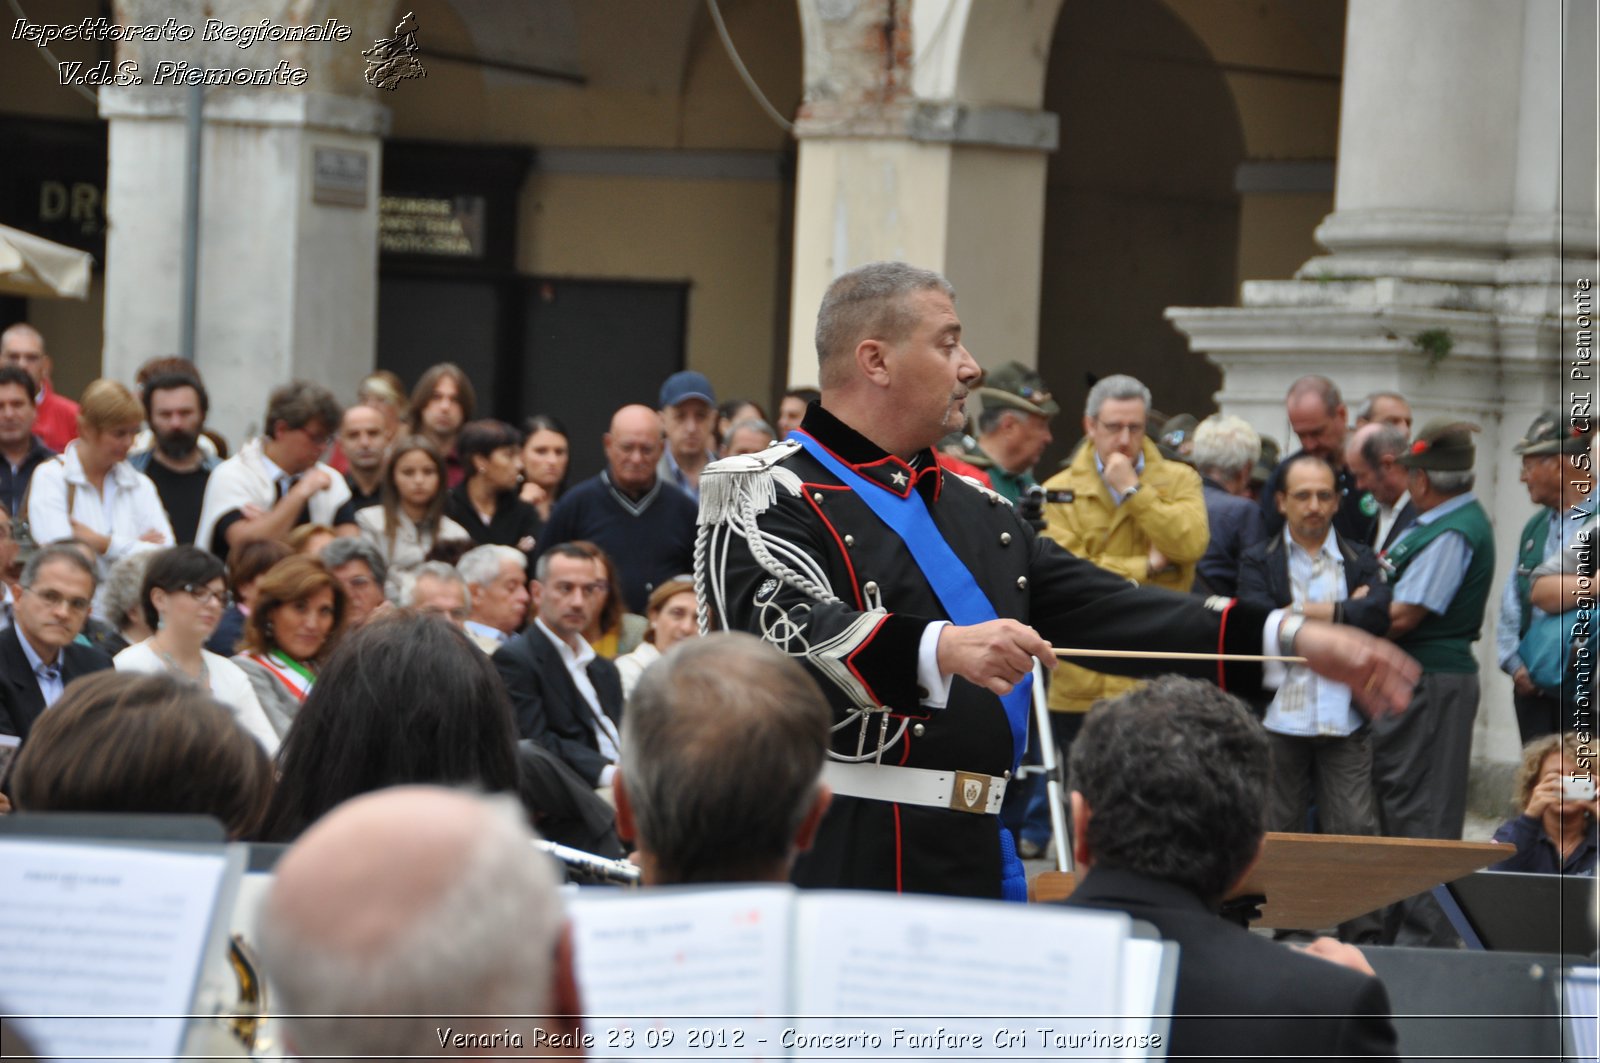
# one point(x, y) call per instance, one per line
point(899, 479)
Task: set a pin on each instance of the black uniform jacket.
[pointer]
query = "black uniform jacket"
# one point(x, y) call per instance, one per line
point(863, 656)
point(547, 704)
point(1240, 996)
point(22, 703)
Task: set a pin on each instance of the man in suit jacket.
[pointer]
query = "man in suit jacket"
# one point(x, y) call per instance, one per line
point(1169, 783)
point(37, 653)
point(566, 698)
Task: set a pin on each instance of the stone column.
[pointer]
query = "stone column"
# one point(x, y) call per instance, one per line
point(287, 275)
point(898, 160)
point(1464, 216)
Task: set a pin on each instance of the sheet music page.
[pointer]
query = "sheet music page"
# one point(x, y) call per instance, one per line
point(1149, 969)
point(91, 931)
point(1583, 1005)
point(925, 977)
point(715, 962)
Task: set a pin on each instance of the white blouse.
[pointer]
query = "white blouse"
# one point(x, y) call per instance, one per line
point(229, 685)
point(126, 509)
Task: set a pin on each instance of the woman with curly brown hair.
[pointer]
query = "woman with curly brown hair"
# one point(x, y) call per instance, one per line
point(298, 617)
point(1555, 834)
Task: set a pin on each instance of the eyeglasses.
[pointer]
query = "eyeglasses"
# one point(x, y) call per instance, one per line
point(205, 595)
point(55, 600)
point(457, 613)
point(1135, 428)
point(563, 588)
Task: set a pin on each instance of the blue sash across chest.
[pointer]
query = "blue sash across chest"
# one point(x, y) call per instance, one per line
point(952, 582)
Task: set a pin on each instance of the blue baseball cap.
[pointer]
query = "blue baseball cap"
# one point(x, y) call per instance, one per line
point(680, 387)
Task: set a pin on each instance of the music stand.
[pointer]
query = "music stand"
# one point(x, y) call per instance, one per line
point(1521, 912)
point(1310, 881)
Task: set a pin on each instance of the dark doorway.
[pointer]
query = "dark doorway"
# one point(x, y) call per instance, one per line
point(590, 346)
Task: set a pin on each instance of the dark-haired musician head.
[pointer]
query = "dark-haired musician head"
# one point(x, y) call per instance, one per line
point(404, 699)
point(1169, 787)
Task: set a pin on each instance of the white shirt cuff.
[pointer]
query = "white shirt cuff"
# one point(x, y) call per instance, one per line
point(1273, 673)
point(928, 676)
point(607, 773)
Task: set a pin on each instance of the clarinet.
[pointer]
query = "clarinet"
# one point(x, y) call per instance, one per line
point(616, 872)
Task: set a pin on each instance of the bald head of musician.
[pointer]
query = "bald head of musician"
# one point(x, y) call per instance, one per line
point(722, 749)
point(424, 902)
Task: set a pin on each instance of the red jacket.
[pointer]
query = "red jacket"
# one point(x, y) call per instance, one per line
point(57, 424)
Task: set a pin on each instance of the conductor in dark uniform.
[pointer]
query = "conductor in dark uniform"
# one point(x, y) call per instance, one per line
point(920, 601)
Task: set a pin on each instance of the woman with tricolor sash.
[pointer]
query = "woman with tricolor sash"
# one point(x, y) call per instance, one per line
point(297, 618)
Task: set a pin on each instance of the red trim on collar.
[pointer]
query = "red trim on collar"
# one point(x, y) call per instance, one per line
point(887, 459)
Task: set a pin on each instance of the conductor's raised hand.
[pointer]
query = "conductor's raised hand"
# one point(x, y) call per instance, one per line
point(994, 655)
point(1379, 674)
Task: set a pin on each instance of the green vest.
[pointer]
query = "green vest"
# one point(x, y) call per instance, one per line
point(1535, 534)
point(1443, 643)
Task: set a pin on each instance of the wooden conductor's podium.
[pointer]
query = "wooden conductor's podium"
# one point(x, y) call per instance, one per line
point(1310, 881)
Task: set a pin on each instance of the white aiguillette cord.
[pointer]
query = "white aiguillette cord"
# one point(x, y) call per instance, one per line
point(1179, 655)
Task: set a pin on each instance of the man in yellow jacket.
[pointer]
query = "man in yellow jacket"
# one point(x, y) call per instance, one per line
point(1125, 508)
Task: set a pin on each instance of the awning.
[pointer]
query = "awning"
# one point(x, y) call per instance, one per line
point(33, 266)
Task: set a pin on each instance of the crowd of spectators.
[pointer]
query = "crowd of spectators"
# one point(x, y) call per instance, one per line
point(394, 593)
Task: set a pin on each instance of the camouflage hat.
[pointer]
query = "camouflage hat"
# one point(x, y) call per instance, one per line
point(1443, 445)
point(1015, 386)
point(1551, 433)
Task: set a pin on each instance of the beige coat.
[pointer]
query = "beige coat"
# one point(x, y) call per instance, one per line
point(1167, 512)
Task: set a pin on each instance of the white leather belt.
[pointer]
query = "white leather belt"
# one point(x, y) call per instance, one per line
point(963, 791)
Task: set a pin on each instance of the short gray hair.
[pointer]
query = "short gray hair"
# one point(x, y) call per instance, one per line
point(722, 750)
point(61, 552)
point(480, 566)
point(460, 960)
point(989, 420)
point(1114, 387)
point(1365, 411)
point(752, 424)
point(123, 584)
point(1382, 441)
point(1225, 444)
point(350, 548)
point(1450, 481)
point(1318, 385)
point(868, 303)
point(444, 573)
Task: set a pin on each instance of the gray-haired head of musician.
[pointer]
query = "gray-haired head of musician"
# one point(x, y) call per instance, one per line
point(1169, 781)
point(426, 905)
point(722, 749)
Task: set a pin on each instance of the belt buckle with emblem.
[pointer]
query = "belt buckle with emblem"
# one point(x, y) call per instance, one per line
point(970, 793)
